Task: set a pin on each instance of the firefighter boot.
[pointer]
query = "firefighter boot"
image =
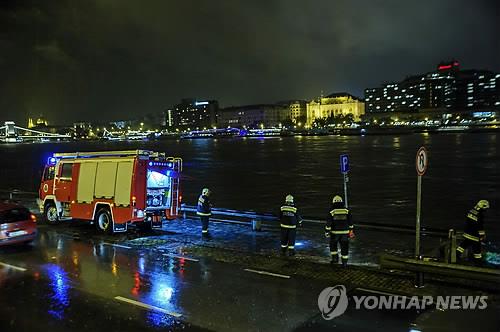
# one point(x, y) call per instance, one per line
point(344, 261)
point(291, 251)
point(478, 260)
point(460, 253)
point(335, 258)
point(283, 251)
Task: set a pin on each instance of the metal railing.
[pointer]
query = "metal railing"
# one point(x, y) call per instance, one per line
point(13, 193)
point(458, 271)
point(256, 219)
point(249, 218)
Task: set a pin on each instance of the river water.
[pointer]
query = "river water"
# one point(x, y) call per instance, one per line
point(256, 174)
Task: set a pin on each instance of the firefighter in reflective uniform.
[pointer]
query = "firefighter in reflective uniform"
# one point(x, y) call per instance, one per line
point(339, 228)
point(289, 219)
point(204, 211)
point(474, 230)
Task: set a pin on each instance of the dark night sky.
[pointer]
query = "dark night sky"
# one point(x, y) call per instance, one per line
point(112, 59)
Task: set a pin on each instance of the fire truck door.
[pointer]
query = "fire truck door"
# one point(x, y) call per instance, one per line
point(63, 182)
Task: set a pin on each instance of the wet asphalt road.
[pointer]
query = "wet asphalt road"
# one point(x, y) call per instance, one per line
point(63, 284)
point(75, 284)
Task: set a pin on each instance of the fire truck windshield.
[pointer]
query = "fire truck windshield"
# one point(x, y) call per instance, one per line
point(49, 173)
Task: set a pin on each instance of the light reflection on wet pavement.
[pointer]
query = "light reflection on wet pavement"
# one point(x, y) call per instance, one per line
point(74, 284)
point(60, 269)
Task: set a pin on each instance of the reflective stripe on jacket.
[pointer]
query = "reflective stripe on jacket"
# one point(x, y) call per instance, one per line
point(204, 208)
point(339, 220)
point(474, 228)
point(289, 218)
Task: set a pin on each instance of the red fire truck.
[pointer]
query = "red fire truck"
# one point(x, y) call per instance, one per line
point(111, 189)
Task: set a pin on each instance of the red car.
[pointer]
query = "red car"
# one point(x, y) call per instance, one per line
point(17, 224)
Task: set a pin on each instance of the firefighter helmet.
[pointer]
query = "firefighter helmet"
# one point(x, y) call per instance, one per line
point(337, 199)
point(289, 199)
point(483, 204)
point(205, 192)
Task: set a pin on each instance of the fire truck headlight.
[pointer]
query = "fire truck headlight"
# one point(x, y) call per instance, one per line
point(140, 213)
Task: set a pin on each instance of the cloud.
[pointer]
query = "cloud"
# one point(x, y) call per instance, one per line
point(53, 52)
point(122, 58)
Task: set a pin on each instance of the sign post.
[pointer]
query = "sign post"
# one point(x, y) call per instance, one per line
point(421, 163)
point(344, 169)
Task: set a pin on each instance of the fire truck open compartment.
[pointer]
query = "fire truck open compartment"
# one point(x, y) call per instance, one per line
point(158, 188)
point(133, 186)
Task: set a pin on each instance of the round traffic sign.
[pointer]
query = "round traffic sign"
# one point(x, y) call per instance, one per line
point(421, 161)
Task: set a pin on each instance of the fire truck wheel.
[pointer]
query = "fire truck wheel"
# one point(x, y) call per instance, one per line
point(50, 213)
point(103, 221)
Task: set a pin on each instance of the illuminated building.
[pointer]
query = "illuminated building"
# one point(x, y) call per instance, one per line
point(253, 116)
point(82, 129)
point(446, 89)
point(335, 104)
point(297, 110)
point(192, 114)
point(40, 122)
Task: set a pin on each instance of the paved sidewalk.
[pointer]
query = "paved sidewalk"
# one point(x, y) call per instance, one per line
point(238, 244)
point(311, 243)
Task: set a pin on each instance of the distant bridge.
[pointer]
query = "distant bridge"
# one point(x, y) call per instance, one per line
point(11, 133)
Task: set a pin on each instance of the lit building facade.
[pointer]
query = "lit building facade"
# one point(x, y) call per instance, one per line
point(40, 122)
point(297, 110)
point(192, 114)
point(446, 89)
point(82, 130)
point(253, 116)
point(333, 105)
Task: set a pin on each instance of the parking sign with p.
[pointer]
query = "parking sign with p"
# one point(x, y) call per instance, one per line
point(344, 163)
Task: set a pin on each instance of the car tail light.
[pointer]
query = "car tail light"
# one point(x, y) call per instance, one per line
point(33, 217)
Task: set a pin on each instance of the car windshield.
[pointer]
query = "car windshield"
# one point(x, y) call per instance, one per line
point(14, 215)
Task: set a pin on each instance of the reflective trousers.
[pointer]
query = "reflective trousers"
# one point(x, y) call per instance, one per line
point(204, 224)
point(476, 248)
point(343, 239)
point(288, 238)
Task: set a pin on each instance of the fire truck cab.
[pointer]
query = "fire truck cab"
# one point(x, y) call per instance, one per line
point(111, 189)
